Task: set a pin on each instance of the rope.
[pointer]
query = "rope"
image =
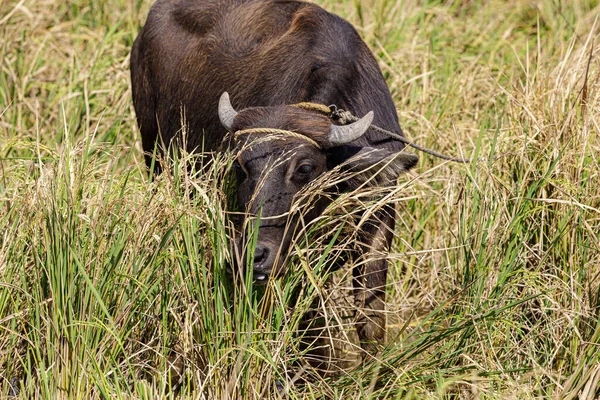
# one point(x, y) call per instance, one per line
point(314, 106)
point(277, 132)
point(345, 117)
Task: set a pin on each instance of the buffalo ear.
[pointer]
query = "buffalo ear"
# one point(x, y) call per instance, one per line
point(378, 166)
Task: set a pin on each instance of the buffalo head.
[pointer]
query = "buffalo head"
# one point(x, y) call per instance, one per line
point(280, 150)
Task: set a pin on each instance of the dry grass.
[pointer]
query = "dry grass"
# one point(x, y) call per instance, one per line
point(114, 286)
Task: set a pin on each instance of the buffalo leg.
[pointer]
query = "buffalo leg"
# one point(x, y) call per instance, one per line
point(369, 281)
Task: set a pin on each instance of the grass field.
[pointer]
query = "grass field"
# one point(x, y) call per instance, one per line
point(113, 285)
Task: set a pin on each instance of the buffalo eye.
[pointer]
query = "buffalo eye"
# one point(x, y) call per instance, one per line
point(240, 171)
point(303, 171)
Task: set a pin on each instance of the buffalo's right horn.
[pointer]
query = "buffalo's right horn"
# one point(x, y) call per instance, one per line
point(342, 134)
point(226, 111)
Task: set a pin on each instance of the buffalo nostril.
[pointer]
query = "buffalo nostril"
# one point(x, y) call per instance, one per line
point(260, 254)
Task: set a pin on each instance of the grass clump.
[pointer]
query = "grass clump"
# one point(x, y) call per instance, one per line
point(115, 285)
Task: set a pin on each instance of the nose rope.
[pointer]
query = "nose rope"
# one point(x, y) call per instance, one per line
point(314, 107)
point(275, 131)
point(345, 117)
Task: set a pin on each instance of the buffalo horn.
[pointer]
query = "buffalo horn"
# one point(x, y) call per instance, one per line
point(342, 134)
point(226, 111)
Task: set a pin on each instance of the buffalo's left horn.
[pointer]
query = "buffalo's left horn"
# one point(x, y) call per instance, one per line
point(342, 134)
point(226, 111)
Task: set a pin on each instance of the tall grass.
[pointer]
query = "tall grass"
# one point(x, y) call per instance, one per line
point(115, 285)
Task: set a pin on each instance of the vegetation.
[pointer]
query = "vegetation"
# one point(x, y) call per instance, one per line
point(113, 285)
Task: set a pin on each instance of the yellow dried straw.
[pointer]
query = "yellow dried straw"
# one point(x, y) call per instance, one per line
point(274, 131)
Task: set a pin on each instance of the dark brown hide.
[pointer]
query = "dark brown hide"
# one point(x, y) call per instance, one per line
point(263, 53)
point(268, 54)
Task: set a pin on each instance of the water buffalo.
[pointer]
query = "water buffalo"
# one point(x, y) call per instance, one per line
point(270, 55)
